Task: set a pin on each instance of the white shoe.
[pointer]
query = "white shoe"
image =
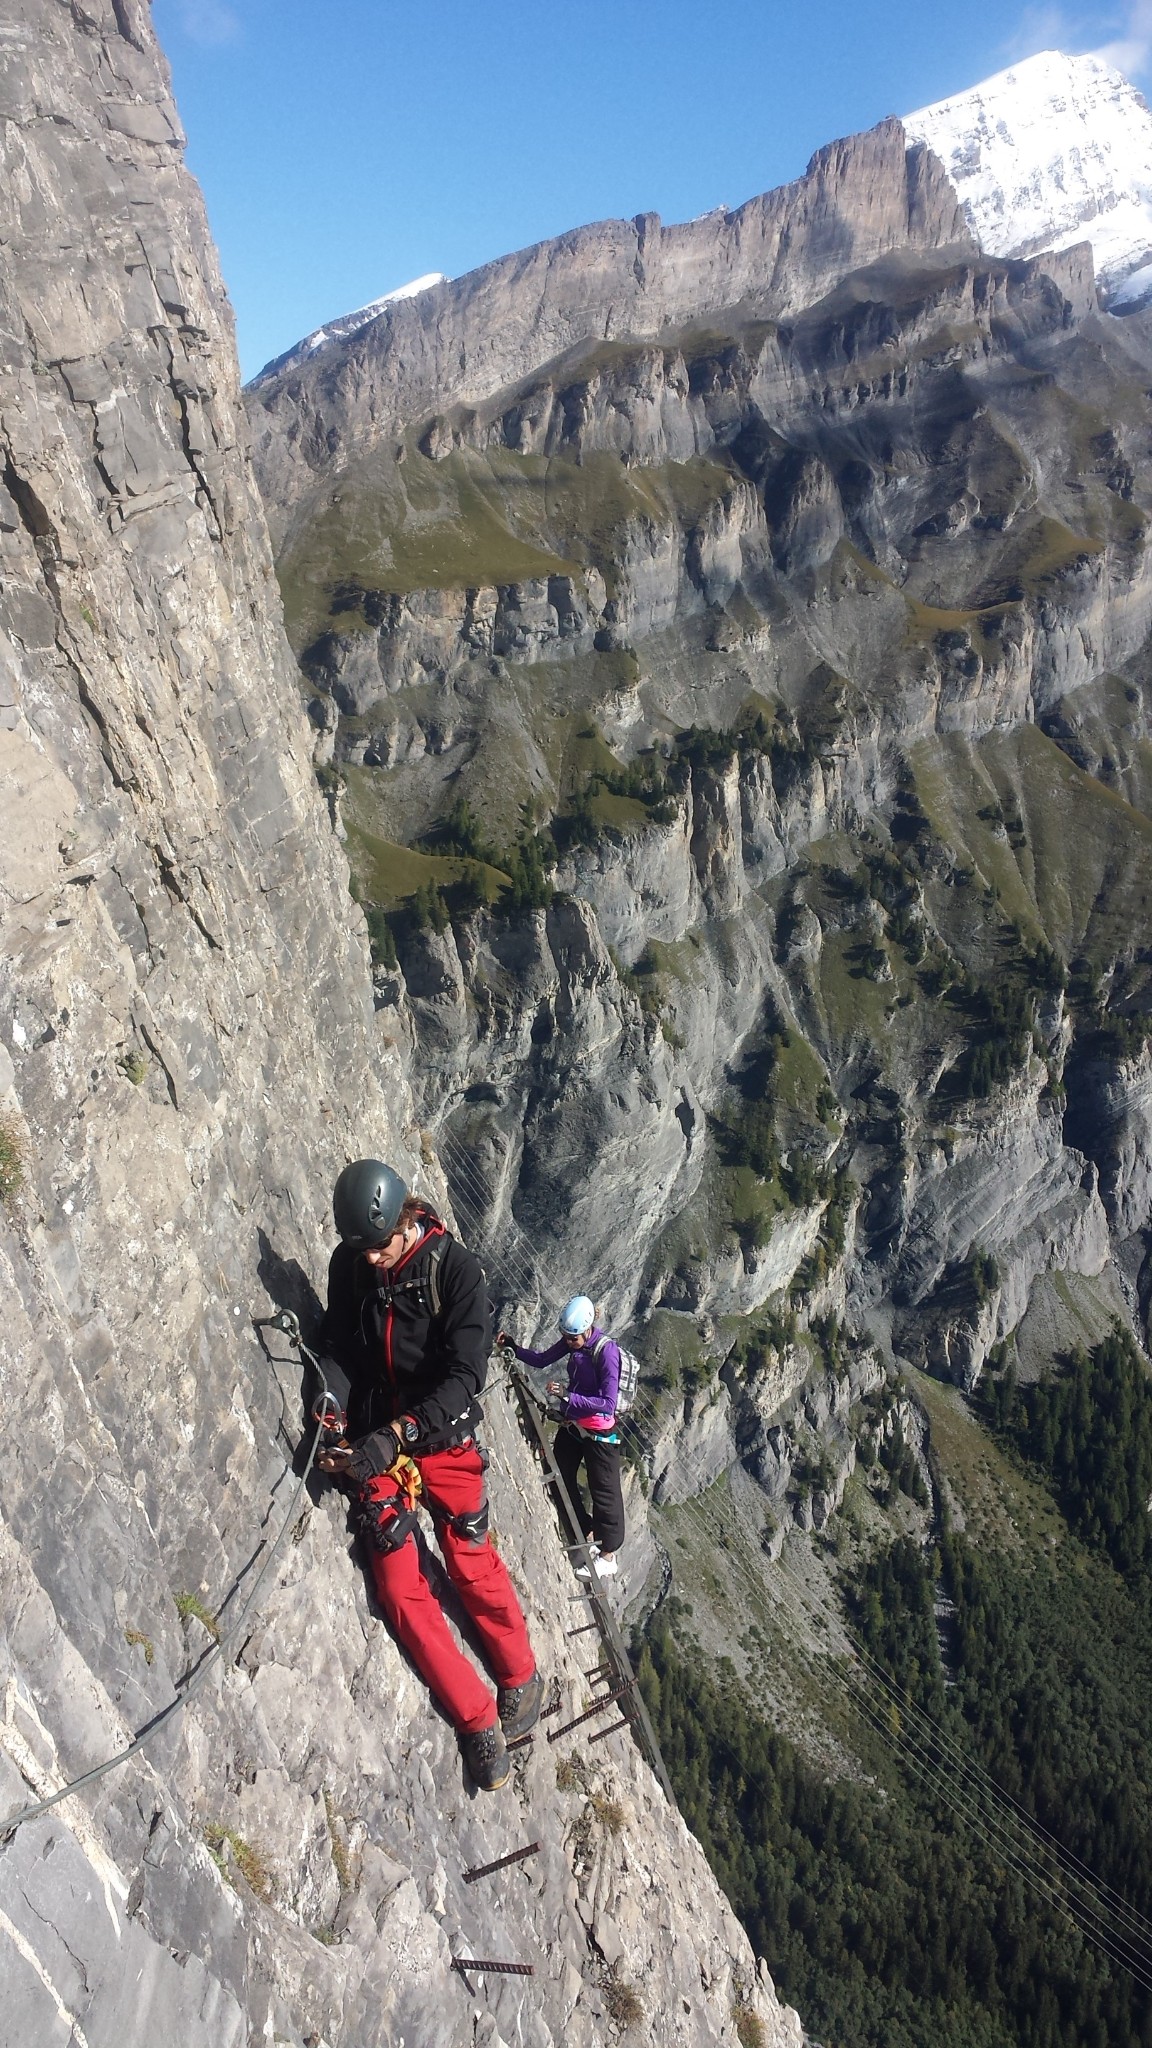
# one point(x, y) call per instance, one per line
point(605, 1567)
point(582, 1571)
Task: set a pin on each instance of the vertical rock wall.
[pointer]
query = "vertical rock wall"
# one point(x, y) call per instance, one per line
point(175, 914)
point(188, 1050)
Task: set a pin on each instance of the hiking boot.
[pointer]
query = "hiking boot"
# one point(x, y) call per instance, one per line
point(602, 1567)
point(519, 1706)
point(486, 1755)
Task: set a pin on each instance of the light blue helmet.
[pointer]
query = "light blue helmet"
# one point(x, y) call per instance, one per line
point(577, 1316)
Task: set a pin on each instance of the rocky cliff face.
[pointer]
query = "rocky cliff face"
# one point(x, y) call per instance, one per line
point(190, 1049)
point(806, 606)
point(466, 339)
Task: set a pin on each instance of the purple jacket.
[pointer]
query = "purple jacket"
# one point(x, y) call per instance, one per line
point(593, 1381)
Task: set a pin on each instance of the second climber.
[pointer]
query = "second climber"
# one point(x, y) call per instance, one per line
point(585, 1406)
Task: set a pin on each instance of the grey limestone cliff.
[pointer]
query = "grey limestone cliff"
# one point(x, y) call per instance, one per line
point(189, 1050)
point(461, 341)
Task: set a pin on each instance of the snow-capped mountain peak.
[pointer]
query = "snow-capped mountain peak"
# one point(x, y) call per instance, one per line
point(1053, 151)
point(347, 323)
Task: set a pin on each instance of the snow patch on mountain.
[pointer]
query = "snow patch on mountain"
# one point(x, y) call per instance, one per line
point(1053, 151)
point(349, 322)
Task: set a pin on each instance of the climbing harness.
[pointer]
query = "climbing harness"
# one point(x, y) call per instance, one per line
point(471, 1528)
point(424, 1285)
point(382, 1524)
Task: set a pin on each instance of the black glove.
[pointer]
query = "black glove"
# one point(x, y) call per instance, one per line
point(374, 1454)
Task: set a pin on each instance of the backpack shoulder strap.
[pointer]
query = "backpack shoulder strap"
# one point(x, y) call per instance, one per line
point(435, 1252)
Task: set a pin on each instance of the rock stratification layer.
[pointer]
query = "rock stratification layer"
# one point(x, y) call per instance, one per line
point(189, 1052)
point(465, 340)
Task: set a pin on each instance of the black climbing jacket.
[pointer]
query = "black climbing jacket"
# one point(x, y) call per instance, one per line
point(412, 1341)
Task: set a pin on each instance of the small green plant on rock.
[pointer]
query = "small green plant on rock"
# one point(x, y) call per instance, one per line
point(749, 2026)
point(190, 1607)
point(137, 1640)
point(11, 1159)
point(231, 1852)
point(134, 1066)
point(609, 1813)
point(341, 1860)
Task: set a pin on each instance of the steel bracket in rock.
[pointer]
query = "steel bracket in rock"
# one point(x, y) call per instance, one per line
point(613, 1729)
point(464, 1963)
point(502, 1862)
point(591, 1712)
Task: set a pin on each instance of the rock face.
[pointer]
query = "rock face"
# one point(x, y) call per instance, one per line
point(190, 1050)
point(461, 341)
point(755, 490)
point(797, 577)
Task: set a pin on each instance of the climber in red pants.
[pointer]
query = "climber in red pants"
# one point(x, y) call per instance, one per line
point(407, 1333)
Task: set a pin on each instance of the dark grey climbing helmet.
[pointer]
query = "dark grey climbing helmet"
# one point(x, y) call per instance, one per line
point(366, 1202)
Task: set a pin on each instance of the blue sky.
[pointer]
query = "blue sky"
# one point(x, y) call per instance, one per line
point(345, 148)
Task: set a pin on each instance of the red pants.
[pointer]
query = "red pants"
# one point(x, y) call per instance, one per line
point(453, 1485)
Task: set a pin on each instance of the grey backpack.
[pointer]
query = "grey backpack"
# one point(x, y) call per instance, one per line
point(629, 1374)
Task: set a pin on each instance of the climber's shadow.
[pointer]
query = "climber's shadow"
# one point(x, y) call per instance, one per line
point(289, 1287)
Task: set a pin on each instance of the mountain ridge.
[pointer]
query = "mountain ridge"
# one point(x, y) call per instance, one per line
point(995, 141)
point(461, 341)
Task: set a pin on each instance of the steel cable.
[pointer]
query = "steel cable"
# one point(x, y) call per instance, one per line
point(1093, 1923)
point(1081, 1873)
point(186, 1693)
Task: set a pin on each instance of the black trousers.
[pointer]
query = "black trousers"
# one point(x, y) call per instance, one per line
point(575, 1447)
